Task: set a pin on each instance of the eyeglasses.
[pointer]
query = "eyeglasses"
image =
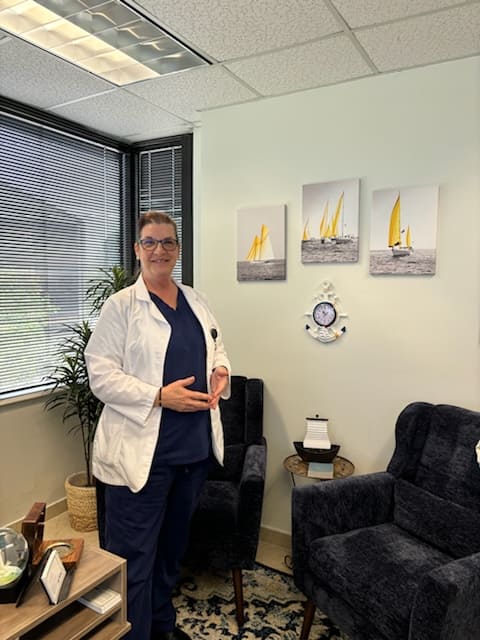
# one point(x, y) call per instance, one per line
point(149, 244)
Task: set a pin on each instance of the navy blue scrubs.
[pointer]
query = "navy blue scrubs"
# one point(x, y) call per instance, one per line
point(150, 528)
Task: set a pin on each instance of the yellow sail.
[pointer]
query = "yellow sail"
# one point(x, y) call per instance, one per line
point(408, 239)
point(261, 247)
point(265, 247)
point(253, 251)
point(323, 222)
point(394, 233)
point(336, 217)
point(306, 233)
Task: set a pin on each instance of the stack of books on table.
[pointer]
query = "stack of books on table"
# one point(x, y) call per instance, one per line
point(101, 599)
point(321, 470)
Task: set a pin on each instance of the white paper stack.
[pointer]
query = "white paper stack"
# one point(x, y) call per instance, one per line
point(316, 436)
point(101, 599)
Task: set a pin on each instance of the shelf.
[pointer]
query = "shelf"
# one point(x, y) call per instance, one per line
point(35, 619)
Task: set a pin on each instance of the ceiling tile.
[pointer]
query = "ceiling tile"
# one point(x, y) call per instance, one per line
point(123, 115)
point(368, 12)
point(30, 75)
point(224, 29)
point(189, 92)
point(450, 34)
point(304, 67)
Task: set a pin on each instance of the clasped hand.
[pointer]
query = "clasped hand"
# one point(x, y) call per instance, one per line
point(179, 397)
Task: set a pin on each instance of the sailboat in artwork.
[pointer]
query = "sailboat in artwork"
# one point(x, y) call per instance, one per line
point(340, 238)
point(306, 232)
point(395, 233)
point(325, 226)
point(261, 249)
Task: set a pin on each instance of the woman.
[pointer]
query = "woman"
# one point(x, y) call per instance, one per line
point(157, 361)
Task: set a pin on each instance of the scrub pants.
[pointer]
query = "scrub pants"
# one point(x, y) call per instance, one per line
point(150, 530)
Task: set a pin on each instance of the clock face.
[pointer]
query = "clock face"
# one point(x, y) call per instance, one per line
point(324, 314)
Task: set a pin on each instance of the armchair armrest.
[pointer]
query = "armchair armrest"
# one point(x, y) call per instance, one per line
point(251, 488)
point(447, 603)
point(326, 508)
point(337, 506)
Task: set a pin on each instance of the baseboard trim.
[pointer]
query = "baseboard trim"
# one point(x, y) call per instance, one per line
point(274, 536)
point(267, 534)
point(54, 509)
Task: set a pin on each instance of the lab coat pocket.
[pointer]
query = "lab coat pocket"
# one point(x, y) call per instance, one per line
point(108, 439)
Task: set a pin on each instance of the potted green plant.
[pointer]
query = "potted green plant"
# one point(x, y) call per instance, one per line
point(81, 409)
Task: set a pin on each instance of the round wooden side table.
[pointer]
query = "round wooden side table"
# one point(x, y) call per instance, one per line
point(342, 468)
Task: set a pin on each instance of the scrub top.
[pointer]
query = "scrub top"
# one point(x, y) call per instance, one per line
point(185, 437)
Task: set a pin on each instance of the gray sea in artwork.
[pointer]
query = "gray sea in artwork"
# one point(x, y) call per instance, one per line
point(421, 262)
point(314, 250)
point(262, 270)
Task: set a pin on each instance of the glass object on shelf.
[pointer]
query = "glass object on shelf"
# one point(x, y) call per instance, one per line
point(13, 557)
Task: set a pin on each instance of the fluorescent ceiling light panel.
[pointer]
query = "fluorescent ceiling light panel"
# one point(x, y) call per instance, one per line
point(106, 38)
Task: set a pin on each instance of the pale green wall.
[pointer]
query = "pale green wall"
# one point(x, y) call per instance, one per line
point(37, 454)
point(409, 338)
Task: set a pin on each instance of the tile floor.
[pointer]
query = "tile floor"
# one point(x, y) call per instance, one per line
point(269, 553)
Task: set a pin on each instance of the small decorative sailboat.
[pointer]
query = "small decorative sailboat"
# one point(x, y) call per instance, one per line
point(261, 249)
point(395, 234)
point(316, 445)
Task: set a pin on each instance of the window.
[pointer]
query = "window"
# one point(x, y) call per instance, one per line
point(164, 184)
point(62, 218)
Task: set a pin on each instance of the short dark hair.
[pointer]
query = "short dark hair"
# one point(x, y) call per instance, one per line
point(156, 217)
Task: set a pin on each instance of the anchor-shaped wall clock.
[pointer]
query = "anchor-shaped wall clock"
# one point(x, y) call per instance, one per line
point(325, 318)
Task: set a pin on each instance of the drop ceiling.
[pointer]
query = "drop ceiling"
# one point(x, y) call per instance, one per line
point(257, 49)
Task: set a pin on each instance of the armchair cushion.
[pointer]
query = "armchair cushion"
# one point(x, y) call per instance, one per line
point(216, 513)
point(442, 523)
point(373, 567)
point(328, 508)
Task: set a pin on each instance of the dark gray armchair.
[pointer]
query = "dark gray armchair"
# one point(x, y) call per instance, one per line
point(226, 525)
point(396, 555)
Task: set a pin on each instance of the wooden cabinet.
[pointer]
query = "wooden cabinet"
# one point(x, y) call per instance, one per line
point(36, 619)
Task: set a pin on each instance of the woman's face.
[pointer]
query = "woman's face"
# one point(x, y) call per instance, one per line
point(158, 262)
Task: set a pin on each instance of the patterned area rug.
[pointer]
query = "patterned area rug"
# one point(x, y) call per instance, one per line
point(273, 608)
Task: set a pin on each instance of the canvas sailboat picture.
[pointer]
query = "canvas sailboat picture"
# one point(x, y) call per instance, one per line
point(261, 243)
point(330, 221)
point(403, 231)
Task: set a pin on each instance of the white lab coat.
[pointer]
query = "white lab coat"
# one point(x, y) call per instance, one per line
point(125, 359)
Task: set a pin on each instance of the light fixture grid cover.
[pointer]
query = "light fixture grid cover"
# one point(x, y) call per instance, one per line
point(121, 28)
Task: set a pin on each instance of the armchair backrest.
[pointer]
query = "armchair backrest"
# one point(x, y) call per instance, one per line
point(437, 488)
point(242, 419)
point(435, 450)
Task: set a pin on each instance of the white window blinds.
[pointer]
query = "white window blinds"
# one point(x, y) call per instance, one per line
point(160, 187)
point(62, 218)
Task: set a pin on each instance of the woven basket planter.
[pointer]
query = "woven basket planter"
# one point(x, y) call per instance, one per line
point(81, 502)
